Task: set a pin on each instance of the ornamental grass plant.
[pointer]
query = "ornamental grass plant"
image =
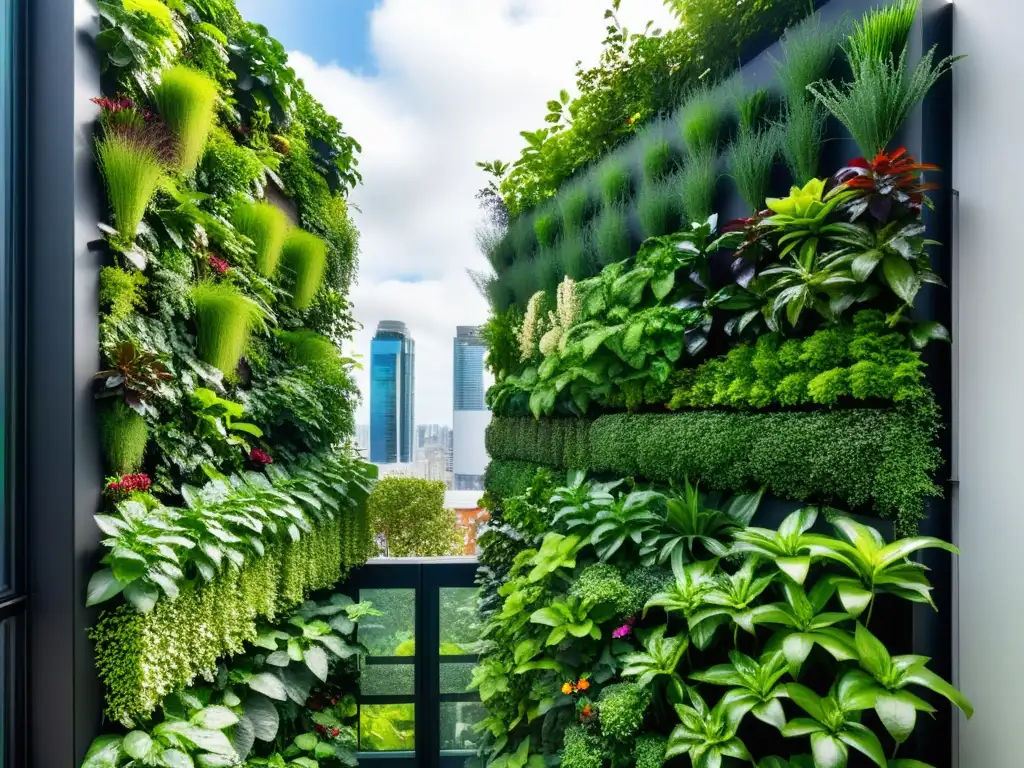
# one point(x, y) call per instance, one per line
point(616, 181)
point(801, 137)
point(808, 51)
point(611, 235)
point(660, 207)
point(697, 184)
point(125, 435)
point(225, 318)
point(700, 121)
point(751, 158)
point(576, 255)
point(267, 226)
point(578, 203)
point(186, 100)
point(881, 34)
point(307, 347)
point(305, 256)
point(132, 169)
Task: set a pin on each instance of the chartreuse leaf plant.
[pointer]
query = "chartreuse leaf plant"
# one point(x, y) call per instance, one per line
point(569, 631)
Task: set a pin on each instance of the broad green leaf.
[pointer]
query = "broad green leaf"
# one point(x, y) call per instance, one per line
point(264, 716)
point(102, 587)
point(142, 595)
point(316, 660)
point(828, 751)
point(306, 742)
point(797, 647)
point(864, 741)
point(269, 685)
point(897, 715)
point(137, 744)
point(770, 712)
point(173, 758)
point(931, 681)
point(873, 655)
point(794, 567)
point(900, 276)
point(215, 717)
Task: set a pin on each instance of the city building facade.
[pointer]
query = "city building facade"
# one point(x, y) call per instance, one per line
point(392, 389)
point(470, 415)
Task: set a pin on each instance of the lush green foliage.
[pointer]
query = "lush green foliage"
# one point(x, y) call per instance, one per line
point(132, 169)
point(751, 158)
point(225, 317)
point(409, 515)
point(857, 457)
point(566, 673)
point(125, 435)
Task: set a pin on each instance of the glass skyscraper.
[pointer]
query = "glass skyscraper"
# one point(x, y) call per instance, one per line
point(471, 416)
point(392, 386)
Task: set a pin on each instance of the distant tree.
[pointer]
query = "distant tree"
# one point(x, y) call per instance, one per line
point(410, 520)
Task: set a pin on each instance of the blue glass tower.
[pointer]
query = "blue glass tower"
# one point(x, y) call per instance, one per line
point(468, 375)
point(392, 385)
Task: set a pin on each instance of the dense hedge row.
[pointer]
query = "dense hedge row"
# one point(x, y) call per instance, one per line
point(884, 459)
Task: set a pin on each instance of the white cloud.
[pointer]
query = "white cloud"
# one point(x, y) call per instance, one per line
point(457, 80)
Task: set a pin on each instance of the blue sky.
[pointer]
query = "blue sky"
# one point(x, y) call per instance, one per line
point(327, 30)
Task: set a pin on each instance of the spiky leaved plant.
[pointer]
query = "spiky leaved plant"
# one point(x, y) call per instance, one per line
point(267, 226)
point(225, 317)
point(807, 53)
point(697, 184)
point(305, 256)
point(125, 434)
point(186, 99)
point(751, 158)
point(881, 34)
point(881, 96)
point(801, 137)
point(132, 170)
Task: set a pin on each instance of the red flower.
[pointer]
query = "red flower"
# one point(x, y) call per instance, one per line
point(335, 732)
point(129, 484)
point(891, 178)
point(261, 457)
point(217, 264)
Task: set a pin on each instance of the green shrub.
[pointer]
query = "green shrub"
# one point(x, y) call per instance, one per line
point(650, 751)
point(125, 435)
point(751, 159)
point(582, 749)
point(660, 158)
point(224, 318)
point(121, 292)
point(141, 658)
point(578, 204)
point(697, 184)
point(227, 168)
point(308, 348)
point(643, 583)
point(611, 235)
point(267, 226)
point(621, 708)
point(305, 256)
point(807, 53)
point(882, 458)
point(660, 207)
point(186, 99)
point(409, 513)
point(160, 12)
point(547, 227)
point(700, 122)
point(616, 182)
point(505, 479)
point(602, 584)
point(132, 169)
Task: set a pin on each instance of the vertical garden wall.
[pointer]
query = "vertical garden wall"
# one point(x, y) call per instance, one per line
point(218, 263)
point(720, 420)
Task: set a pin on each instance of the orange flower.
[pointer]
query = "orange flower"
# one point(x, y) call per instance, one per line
point(567, 688)
point(586, 712)
point(583, 684)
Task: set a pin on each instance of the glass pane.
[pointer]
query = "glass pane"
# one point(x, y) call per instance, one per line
point(457, 720)
point(387, 727)
point(459, 621)
point(392, 634)
point(7, 123)
point(455, 676)
point(388, 680)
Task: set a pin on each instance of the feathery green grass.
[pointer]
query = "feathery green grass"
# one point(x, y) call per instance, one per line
point(616, 181)
point(751, 158)
point(521, 282)
point(153, 8)
point(881, 34)
point(225, 317)
point(125, 434)
point(523, 238)
point(701, 121)
point(578, 204)
point(750, 108)
point(801, 137)
point(576, 255)
point(186, 99)
point(660, 207)
point(547, 226)
point(611, 235)
point(267, 226)
point(305, 255)
point(547, 270)
point(306, 347)
point(697, 184)
point(881, 96)
point(132, 171)
point(808, 51)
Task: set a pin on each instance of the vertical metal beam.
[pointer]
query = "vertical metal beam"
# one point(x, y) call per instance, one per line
point(62, 464)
